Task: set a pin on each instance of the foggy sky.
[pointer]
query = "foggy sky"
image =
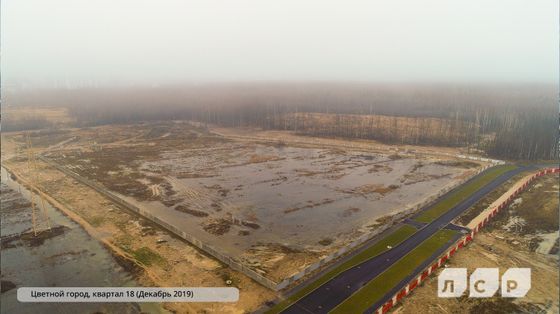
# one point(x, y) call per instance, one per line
point(103, 42)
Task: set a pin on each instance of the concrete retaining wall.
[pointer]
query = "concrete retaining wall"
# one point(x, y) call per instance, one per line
point(180, 233)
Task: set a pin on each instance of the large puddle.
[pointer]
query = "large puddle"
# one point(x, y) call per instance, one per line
point(71, 258)
point(289, 195)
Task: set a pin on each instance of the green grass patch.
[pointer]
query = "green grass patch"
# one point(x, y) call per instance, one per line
point(382, 284)
point(96, 221)
point(392, 239)
point(148, 257)
point(462, 193)
point(125, 242)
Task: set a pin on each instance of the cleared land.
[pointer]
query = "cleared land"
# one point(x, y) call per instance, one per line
point(275, 207)
point(489, 251)
point(531, 221)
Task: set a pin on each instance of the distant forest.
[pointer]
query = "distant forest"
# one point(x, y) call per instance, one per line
point(504, 121)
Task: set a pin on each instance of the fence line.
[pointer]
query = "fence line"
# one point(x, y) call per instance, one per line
point(480, 220)
point(189, 238)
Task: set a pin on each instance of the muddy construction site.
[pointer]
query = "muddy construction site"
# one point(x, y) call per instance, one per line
point(275, 207)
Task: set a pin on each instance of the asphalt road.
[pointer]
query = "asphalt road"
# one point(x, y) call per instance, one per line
point(333, 292)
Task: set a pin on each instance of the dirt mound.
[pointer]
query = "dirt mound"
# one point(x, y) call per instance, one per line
point(193, 212)
point(373, 188)
point(262, 158)
point(251, 225)
point(310, 205)
point(217, 226)
point(457, 163)
point(349, 211)
point(30, 239)
point(7, 285)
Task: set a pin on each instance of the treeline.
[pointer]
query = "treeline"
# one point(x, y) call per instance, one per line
point(388, 129)
point(505, 121)
point(26, 123)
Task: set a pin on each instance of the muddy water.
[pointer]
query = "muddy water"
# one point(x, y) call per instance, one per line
point(70, 259)
point(301, 197)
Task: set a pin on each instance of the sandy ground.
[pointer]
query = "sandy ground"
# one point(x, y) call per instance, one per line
point(532, 219)
point(489, 251)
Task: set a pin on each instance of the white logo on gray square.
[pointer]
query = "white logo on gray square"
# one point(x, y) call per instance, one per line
point(452, 282)
point(516, 282)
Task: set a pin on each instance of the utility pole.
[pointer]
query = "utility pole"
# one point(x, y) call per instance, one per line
point(32, 166)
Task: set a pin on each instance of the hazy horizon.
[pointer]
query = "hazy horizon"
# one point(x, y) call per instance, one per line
point(77, 43)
